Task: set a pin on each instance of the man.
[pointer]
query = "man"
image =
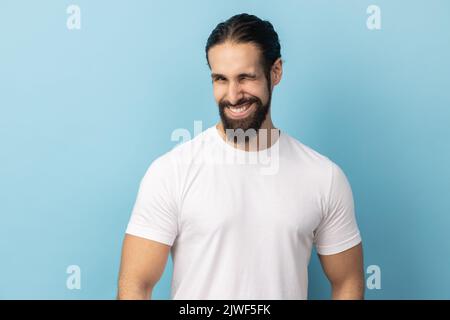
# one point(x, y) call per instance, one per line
point(234, 230)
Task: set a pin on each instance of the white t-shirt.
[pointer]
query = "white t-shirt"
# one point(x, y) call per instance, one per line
point(242, 228)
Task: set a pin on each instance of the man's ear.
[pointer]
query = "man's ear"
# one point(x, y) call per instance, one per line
point(276, 72)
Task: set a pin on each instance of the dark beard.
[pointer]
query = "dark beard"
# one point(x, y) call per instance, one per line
point(253, 121)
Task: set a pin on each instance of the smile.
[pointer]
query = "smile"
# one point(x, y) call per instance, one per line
point(240, 112)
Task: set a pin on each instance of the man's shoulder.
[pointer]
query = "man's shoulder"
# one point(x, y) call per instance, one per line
point(300, 151)
point(313, 164)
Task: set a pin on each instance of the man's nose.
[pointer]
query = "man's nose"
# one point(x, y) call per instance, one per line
point(234, 93)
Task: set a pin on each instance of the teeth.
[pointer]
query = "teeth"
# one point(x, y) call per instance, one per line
point(241, 109)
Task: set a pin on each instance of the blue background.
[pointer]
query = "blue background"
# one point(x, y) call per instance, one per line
point(84, 112)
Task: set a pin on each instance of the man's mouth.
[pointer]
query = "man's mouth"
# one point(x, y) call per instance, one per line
point(240, 111)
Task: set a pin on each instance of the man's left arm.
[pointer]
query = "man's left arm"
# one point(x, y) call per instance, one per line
point(345, 271)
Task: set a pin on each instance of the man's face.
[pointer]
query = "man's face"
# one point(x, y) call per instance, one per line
point(240, 87)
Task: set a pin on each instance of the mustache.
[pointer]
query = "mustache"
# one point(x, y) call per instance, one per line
point(242, 101)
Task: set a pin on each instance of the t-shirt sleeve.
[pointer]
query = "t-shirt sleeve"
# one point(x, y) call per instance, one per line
point(154, 215)
point(338, 230)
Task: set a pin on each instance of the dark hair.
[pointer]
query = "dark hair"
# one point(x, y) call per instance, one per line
point(243, 28)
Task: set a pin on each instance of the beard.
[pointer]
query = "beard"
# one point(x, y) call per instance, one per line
point(252, 121)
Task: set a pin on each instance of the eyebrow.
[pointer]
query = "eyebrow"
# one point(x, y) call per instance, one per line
point(248, 75)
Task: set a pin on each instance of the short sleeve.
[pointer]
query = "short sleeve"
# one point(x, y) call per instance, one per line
point(338, 230)
point(154, 215)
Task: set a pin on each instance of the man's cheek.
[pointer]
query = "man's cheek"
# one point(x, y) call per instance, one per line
point(218, 93)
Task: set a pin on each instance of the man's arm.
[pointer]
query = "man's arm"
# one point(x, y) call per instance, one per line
point(142, 265)
point(345, 272)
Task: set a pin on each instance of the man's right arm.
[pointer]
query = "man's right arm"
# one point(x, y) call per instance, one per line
point(142, 265)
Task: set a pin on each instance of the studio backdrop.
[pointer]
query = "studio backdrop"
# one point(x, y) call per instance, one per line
point(92, 91)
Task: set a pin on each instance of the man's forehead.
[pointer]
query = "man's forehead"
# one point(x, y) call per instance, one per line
point(232, 58)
